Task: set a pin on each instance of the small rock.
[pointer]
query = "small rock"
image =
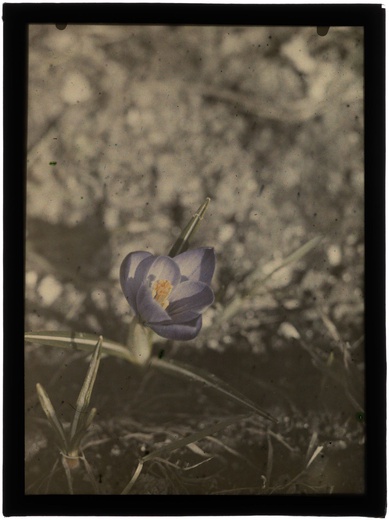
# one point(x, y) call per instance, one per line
point(76, 89)
point(49, 290)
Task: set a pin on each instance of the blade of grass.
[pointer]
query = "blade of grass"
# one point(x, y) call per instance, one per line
point(311, 446)
point(257, 279)
point(210, 380)
point(232, 451)
point(182, 242)
point(90, 474)
point(48, 408)
point(91, 416)
point(78, 341)
point(335, 372)
point(176, 466)
point(318, 450)
point(81, 431)
point(68, 475)
point(86, 390)
point(50, 476)
point(269, 465)
point(282, 441)
point(194, 437)
point(135, 477)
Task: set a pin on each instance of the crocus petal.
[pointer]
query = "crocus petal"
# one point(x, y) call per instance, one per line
point(197, 264)
point(127, 272)
point(190, 296)
point(149, 309)
point(184, 316)
point(179, 331)
point(163, 268)
point(142, 270)
point(182, 288)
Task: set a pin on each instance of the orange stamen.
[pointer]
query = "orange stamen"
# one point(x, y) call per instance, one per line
point(160, 291)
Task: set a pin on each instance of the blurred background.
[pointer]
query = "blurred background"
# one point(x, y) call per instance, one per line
point(130, 128)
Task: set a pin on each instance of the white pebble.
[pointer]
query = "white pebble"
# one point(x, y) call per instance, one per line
point(226, 232)
point(76, 89)
point(49, 289)
point(31, 278)
point(334, 255)
point(288, 331)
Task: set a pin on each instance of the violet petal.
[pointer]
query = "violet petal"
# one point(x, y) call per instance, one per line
point(127, 272)
point(190, 296)
point(163, 268)
point(197, 264)
point(179, 331)
point(184, 316)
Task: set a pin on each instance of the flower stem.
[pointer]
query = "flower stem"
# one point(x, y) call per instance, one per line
point(139, 341)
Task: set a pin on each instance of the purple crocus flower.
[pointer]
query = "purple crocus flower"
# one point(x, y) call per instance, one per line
point(167, 294)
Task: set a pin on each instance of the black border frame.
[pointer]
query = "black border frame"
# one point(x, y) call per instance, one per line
point(16, 18)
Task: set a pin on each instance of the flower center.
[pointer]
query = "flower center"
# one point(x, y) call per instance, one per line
point(160, 291)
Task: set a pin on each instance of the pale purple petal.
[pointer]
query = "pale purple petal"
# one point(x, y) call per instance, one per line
point(184, 316)
point(149, 309)
point(163, 268)
point(190, 296)
point(179, 331)
point(142, 270)
point(127, 272)
point(197, 264)
point(189, 275)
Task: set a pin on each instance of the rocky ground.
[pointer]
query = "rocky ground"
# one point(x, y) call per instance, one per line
point(130, 128)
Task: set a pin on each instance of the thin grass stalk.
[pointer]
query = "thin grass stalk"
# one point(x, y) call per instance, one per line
point(135, 477)
point(90, 474)
point(86, 390)
point(194, 437)
point(210, 380)
point(50, 475)
point(318, 450)
point(51, 415)
point(182, 242)
point(68, 474)
point(78, 341)
point(311, 446)
point(256, 279)
point(269, 465)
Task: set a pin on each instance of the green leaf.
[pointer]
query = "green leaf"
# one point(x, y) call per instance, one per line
point(182, 242)
point(91, 416)
point(48, 408)
point(86, 391)
point(134, 478)
point(210, 380)
point(79, 341)
point(257, 278)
